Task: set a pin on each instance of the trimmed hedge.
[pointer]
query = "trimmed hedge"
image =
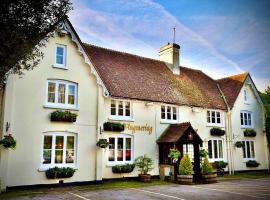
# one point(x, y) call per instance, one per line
point(63, 116)
point(250, 133)
point(111, 126)
point(119, 169)
point(217, 132)
point(252, 163)
point(56, 172)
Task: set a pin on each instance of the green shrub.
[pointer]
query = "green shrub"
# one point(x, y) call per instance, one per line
point(63, 116)
point(102, 143)
point(56, 172)
point(252, 163)
point(119, 169)
point(239, 144)
point(206, 166)
point(250, 133)
point(8, 142)
point(111, 126)
point(221, 164)
point(203, 153)
point(174, 154)
point(217, 132)
point(144, 164)
point(185, 167)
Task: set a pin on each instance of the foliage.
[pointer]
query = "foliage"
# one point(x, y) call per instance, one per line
point(250, 133)
point(266, 100)
point(239, 144)
point(252, 163)
point(203, 153)
point(102, 143)
point(206, 166)
point(56, 172)
point(111, 126)
point(119, 169)
point(63, 116)
point(8, 141)
point(144, 164)
point(174, 154)
point(217, 131)
point(185, 167)
point(24, 29)
point(221, 164)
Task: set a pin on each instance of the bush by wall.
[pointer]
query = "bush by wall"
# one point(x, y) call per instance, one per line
point(221, 164)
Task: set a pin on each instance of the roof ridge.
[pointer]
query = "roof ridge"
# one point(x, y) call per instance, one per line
point(244, 73)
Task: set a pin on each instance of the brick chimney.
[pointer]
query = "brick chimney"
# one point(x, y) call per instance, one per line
point(169, 53)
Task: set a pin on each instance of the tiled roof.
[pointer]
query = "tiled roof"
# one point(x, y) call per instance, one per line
point(130, 76)
point(231, 87)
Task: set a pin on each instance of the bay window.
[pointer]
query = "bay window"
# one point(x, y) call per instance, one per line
point(214, 118)
point(61, 94)
point(169, 113)
point(120, 109)
point(120, 149)
point(248, 149)
point(215, 149)
point(246, 119)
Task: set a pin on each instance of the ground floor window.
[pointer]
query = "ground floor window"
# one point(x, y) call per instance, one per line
point(120, 149)
point(189, 149)
point(215, 149)
point(248, 149)
point(59, 149)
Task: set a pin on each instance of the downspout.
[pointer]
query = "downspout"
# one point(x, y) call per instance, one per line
point(228, 136)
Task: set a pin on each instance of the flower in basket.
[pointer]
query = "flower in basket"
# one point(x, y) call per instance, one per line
point(102, 143)
point(8, 141)
point(174, 154)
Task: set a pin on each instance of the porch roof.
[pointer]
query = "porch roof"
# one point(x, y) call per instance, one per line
point(176, 131)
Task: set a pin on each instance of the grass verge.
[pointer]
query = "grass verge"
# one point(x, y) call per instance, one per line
point(246, 175)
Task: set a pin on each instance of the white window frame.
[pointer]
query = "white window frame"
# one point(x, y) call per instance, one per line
point(121, 117)
point(243, 112)
point(64, 164)
point(57, 65)
point(166, 120)
point(115, 162)
point(213, 153)
point(245, 143)
point(65, 105)
point(211, 123)
point(246, 97)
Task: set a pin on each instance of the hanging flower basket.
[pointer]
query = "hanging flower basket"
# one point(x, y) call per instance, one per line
point(174, 154)
point(102, 143)
point(217, 132)
point(63, 116)
point(250, 133)
point(8, 142)
point(111, 126)
point(239, 144)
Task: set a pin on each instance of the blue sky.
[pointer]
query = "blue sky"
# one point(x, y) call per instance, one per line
point(219, 37)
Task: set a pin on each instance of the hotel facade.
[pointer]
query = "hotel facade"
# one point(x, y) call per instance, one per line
point(161, 104)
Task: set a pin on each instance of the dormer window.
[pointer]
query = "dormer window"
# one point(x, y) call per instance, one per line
point(60, 56)
point(246, 100)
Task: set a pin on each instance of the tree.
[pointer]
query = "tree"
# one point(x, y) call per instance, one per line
point(25, 26)
point(266, 100)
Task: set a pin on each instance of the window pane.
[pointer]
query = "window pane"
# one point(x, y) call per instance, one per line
point(241, 117)
point(70, 156)
point(245, 118)
point(174, 113)
point(61, 93)
point(70, 142)
point(244, 149)
point(71, 94)
point(215, 149)
point(249, 119)
point(113, 107)
point(59, 144)
point(218, 117)
point(127, 107)
point(220, 149)
point(120, 108)
point(60, 55)
point(111, 149)
point(51, 92)
point(213, 117)
point(47, 156)
point(252, 149)
point(47, 142)
point(163, 112)
point(120, 143)
point(169, 112)
point(248, 149)
point(128, 149)
point(210, 154)
point(208, 117)
point(58, 156)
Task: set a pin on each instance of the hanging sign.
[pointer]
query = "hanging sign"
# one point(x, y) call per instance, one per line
point(134, 128)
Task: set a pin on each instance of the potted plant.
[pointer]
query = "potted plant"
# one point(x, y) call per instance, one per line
point(174, 155)
point(250, 133)
point(252, 163)
point(126, 168)
point(239, 144)
point(63, 116)
point(57, 172)
point(207, 172)
point(185, 170)
point(102, 143)
point(220, 165)
point(217, 131)
point(144, 164)
point(8, 142)
point(112, 126)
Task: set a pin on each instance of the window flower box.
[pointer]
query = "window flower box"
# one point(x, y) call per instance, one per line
point(56, 172)
point(217, 132)
point(63, 116)
point(250, 133)
point(252, 163)
point(115, 127)
point(119, 169)
point(8, 142)
point(102, 143)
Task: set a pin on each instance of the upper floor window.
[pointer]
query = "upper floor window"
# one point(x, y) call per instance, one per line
point(246, 119)
point(60, 56)
point(246, 100)
point(169, 113)
point(121, 109)
point(215, 149)
point(248, 150)
point(61, 94)
point(59, 149)
point(214, 117)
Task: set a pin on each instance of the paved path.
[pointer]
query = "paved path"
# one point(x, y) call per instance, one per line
point(232, 190)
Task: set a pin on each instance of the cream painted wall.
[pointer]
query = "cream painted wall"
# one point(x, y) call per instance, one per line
point(24, 109)
point(260, 143)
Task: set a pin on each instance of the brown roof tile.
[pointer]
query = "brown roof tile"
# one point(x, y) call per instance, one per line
point(130, 76)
